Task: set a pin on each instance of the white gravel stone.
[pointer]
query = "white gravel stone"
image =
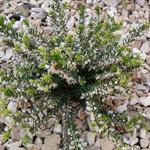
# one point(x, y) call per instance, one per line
point(143, 56)
point(1, 53)
point(148, 60)
point(143, 134)
point(112, 11)
point(38, 141)
point(15, 134)
point(45, 4)
point(145, 47)
point(145, 78)
point(134, 99)
point(58, 128)
point(145, 101)
point(52, 141)
point(136, 51)
point(91, 137)
point(107, 144)
point(147, 32)
point(140, 2)
point(89, 2)
point(38, 13)
point(112, 3)
point(33, 147)
point(12, 106)
point(8, 54)
point(70, 23)
point(122, 108)
point(146, 113)
point(44, 133)
point(23, 9)
point(141, 87)
point(144, 143)
point(1, 146)
point(98, 142)
point(13, 146)
point(133, 140)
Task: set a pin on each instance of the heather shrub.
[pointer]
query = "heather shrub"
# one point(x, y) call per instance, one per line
point(48, 74)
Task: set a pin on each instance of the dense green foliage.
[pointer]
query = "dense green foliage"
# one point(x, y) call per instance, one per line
point(49, 73)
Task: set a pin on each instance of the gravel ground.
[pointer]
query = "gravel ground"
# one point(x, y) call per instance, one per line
point(132, 13)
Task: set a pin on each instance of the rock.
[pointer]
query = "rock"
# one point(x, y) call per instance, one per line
point(48, 30)
point(136, 51)
point(140, 2)
point(12, 106)
point(38, 13)
point(44, 133)
point(8, 55)
point(2, 147)
point(133, 140)
point(112, 3)
point(145, 101)
point(148, 60)
point(136, 147)
point(140, 87)
point(33, 147)
point(58, 128)
point(137, 44)
point(91, 148)
point(1, 53)
point(145, 47)
point(21, 148)
point(24, 9)
point(52, 141)
point(13, 146)
point(70, 23)
point(130, 7)
point(8, 121)
point(143, 134)
point(34, 3)
point(146, 113)
point(147, 33)
point(146, 66)
point(38, 141)
point(91, 137)
point(22, 133)
point(107, 144)
point(45, 4)
point(40, 2)
point(134, 99)
point(145, 78)
point(1, 3)
point(112, 11)
point(122, 108)
point(51, 123)
point(143, 56)
point(15, 134)
point(144, 143)
point(98, 142)
point(89, 2)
